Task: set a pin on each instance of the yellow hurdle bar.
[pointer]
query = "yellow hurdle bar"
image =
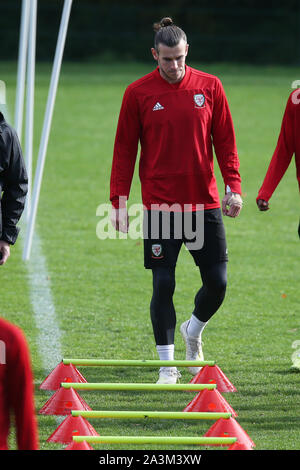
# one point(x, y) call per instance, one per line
point(137, 386)
point(136, 363)
point(150, 414)
point(156, 440)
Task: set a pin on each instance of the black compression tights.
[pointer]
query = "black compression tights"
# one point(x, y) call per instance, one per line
point(207, 300)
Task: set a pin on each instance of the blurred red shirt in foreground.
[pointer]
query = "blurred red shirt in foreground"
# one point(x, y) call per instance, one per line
point(16, 389)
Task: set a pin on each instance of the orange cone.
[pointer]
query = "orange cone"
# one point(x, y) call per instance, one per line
point(79, 446)
point(237, 446)
point(63, 401)
point(213, 375)
point(72, 426)
point(210, 400)
point(229, 428)
point(62, 373)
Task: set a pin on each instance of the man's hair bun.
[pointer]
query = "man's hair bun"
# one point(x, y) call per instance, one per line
point(167, 21)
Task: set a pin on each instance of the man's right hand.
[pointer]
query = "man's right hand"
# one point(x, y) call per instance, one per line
point(4, 252)
point(119, 219)
point(262, 205)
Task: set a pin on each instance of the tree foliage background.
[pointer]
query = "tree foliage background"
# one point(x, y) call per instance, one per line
point(250, 31)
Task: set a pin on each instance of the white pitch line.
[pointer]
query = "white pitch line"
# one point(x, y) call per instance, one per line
point(49, 333)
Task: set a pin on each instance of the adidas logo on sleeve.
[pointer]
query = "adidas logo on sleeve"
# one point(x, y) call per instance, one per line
point(157, 107)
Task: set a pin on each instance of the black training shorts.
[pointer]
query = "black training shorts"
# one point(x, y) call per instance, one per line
point(202, 233)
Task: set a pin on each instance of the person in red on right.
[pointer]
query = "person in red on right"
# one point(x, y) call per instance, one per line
point(288, 144)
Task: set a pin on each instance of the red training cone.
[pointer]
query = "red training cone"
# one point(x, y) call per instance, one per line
point(210, 400)
point(62, 402)
point(72, 426)
point(214, 375)
point(238, 446)
point(79, 446)
point(62, 373)
point(229, 428)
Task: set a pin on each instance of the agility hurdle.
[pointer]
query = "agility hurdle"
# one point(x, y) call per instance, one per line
point(136, 386)
point(136, 363)
point(150, 414)
point(156, 440)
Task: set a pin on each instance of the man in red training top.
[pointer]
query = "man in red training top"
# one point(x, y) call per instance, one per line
point(177, 114)
point(288, 144)
point(16, 389)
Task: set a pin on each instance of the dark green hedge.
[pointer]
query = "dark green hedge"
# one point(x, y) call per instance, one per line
point(238, 31)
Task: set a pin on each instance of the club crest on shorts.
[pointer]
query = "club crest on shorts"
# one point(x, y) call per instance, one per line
point(157, 251)
point(199, 100)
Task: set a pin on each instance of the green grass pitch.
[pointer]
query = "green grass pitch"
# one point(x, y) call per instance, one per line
point(101, 291)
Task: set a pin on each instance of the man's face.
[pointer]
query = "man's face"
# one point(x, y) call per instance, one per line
point(171, 61)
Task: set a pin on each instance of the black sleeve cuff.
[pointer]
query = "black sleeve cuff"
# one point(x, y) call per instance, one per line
point(10, 234)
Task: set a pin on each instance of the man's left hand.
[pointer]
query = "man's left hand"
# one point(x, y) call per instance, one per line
point(4, 252)
point(232, 204)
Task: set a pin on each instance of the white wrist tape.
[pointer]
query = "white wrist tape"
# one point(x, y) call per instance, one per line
point(235, 199)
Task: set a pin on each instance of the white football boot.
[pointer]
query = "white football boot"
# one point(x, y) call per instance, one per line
point(168, 375)
point(193, 348)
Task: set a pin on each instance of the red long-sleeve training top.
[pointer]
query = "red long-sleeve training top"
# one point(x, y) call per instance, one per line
point(177, 126)
point(16, 389)
point(288, 144)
